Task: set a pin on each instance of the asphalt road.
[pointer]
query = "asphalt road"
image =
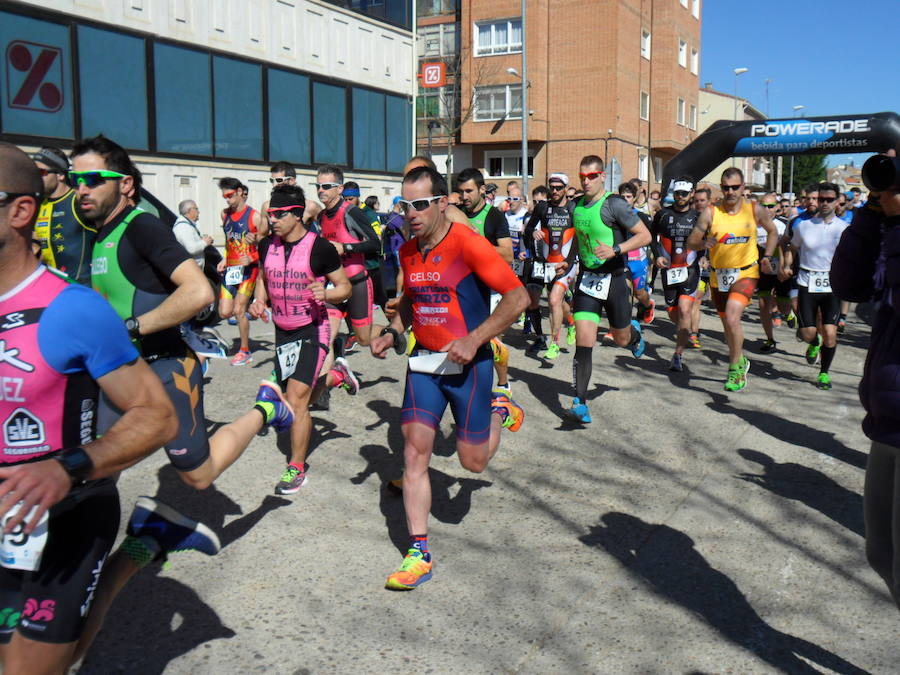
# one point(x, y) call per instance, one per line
point(687, 530)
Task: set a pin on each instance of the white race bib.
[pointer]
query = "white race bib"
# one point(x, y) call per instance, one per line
point(539, 270)
point(20, 551)
point(518, 267)
point(288, 355)
point(819, 282)
point(726, 277)
point(234, 275)
point(676, 275)
point(596, 285)
point(433, 363)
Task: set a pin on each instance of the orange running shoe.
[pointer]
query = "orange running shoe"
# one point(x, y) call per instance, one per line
point(413, 571)
point(510, 412)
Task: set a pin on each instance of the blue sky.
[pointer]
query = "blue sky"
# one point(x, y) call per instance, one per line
point(832, 57)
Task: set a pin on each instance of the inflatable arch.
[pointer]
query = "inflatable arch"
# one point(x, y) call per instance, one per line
point(875, 132)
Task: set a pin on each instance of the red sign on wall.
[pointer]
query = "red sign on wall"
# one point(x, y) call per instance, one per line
point(434, 74)
point(34, 76)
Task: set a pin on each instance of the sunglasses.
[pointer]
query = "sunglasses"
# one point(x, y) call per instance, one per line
point(827, 200)
point(681, 193)
point(278, 214)
point(771, 206)
point(592, 175)
point(321, 187)
point(417, 204)
point(513, 199)
point(90, 179)
point(556, 188)
point(228, 194)
point(278, 181)
point(7, 197)
point(731, 188)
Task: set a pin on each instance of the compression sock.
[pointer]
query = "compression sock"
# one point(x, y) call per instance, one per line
point(581, 370)
point(420, 543)
point(827, 355)
point(535, 316)
point(140, 550)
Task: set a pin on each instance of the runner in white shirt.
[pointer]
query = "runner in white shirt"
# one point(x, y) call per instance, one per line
point(815, 240)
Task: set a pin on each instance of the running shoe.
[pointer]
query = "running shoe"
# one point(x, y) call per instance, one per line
point(281, 416)
point(812, 352)
point(538, 345)
point(414, 570)
point(170, 530)
point(676, 365)
point(768, 347)
point(791, 320)
point(647, 313)
point(552, 351)
point(842, 323)
point(520, 320)
point(506, 390)
point(579, 411)
point(638, 347)
point(204, 366)
point(242, 358)
point(350, 344)
point(776, 319)
point(527, 328)
point(737, 375)
point(824, 381)
point(511, 414)
point(350, 383)
point(694, 341)
point(570, 334)
point(291, 480)
point(608, 340)
point(232, 321)
point(323, 402)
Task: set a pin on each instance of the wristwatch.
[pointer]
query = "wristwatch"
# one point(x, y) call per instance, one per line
point(388, 329)
point(133, 327)
point(617, 249)
point(77, 463)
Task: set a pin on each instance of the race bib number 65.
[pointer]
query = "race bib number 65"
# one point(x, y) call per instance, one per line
point(819, 282)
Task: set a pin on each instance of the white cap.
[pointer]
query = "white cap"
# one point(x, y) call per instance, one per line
point(559, 176)
point(682, 186)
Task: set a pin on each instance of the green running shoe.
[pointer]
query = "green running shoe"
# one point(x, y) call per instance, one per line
point(737, 375)
point(570, 335)
point(812, 352)
point(552, 351)
point(291, 480)
point(824, 381)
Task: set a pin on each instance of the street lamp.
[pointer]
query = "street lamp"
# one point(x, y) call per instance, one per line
point(737, 72)
point(797, 109)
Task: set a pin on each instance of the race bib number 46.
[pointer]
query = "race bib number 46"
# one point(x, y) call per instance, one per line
point(819, 282)
point(595, 285)
point(726, 277)
point(20, 551)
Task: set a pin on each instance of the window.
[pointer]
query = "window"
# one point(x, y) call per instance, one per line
point(695, 61)
point(289, 118)
point(434, 7)
point(499, 37)
point(329, 123)
point(645, 105)
point(680, 119)
point(643, 167)
point(43, 107)
point(692, 120)
point(682, 53)
point(368, 130)
point(645, 44)
point(398, 12)
point(119, 113)
point(495, 102)
point(507, 164)
point(399, 132)
point(238, 116)
point(684, 3)
point(184, 121)
point(438, 40)
point(657, 169)
point(695, 8)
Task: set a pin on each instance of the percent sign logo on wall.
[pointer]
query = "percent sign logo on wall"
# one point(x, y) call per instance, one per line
point(434, 74)
point(34, 76)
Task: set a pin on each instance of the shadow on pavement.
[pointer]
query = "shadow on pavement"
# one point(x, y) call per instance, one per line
point(667, 561)
point(808, 486)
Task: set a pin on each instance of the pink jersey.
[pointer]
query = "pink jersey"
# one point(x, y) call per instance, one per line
point(287, 283)
point(334, 228)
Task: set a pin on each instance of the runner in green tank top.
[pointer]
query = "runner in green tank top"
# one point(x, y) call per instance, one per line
point(606, 227)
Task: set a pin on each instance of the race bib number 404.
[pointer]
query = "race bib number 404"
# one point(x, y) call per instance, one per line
point(20, 551)
point(726, 277)
point(595, 285)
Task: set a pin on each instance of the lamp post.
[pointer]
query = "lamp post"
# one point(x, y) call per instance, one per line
point(797, 109)
point(737, 72)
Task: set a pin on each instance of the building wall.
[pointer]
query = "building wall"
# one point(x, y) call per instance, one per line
point(715, 106)
point(315, 38)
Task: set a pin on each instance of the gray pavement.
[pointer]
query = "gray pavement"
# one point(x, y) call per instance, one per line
point(686, 530)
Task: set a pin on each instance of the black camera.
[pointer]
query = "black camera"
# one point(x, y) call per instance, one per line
point(881, 173)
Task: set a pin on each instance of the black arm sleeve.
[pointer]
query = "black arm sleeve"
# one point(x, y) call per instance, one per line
point(156, 243)
point(362, 229)
point(536, 219)
point(262, 248)
point(324, 258)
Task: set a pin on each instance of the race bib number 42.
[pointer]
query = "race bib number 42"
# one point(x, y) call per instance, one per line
point(595, 285)
point(288, 355)
point(20, 551)
point(819, 282)
point(726, 277)
point(234, 275)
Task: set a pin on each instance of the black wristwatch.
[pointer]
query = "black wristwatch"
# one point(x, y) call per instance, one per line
point(77, 463)
point(133, 327)
point(388, 329)
point(617, 249)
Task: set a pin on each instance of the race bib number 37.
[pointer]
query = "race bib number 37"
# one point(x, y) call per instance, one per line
point(20, 551)
point(676, 275)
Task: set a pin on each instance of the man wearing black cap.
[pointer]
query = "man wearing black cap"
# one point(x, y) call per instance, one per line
point(66, 241)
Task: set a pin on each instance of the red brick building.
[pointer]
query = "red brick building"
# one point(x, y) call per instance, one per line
point(615, 78)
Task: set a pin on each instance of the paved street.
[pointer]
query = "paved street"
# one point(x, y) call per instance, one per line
point(684, 531)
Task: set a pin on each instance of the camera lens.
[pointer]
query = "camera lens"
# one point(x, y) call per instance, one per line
point(881, 172)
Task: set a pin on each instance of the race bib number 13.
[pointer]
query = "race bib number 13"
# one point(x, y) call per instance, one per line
point(20, 551)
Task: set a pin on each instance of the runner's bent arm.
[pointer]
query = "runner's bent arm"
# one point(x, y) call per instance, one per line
point(342, 288)
point(361, 227)
point(193, 293)
point(697, 239)
point(764, 220)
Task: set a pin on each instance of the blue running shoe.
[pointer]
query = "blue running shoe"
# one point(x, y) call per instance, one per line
point(169, 529)
point(579, 411)
point(232, 321)
point(282, 416)
point(637, 348)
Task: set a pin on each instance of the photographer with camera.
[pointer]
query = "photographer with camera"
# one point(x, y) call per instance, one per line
point(866, 266)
